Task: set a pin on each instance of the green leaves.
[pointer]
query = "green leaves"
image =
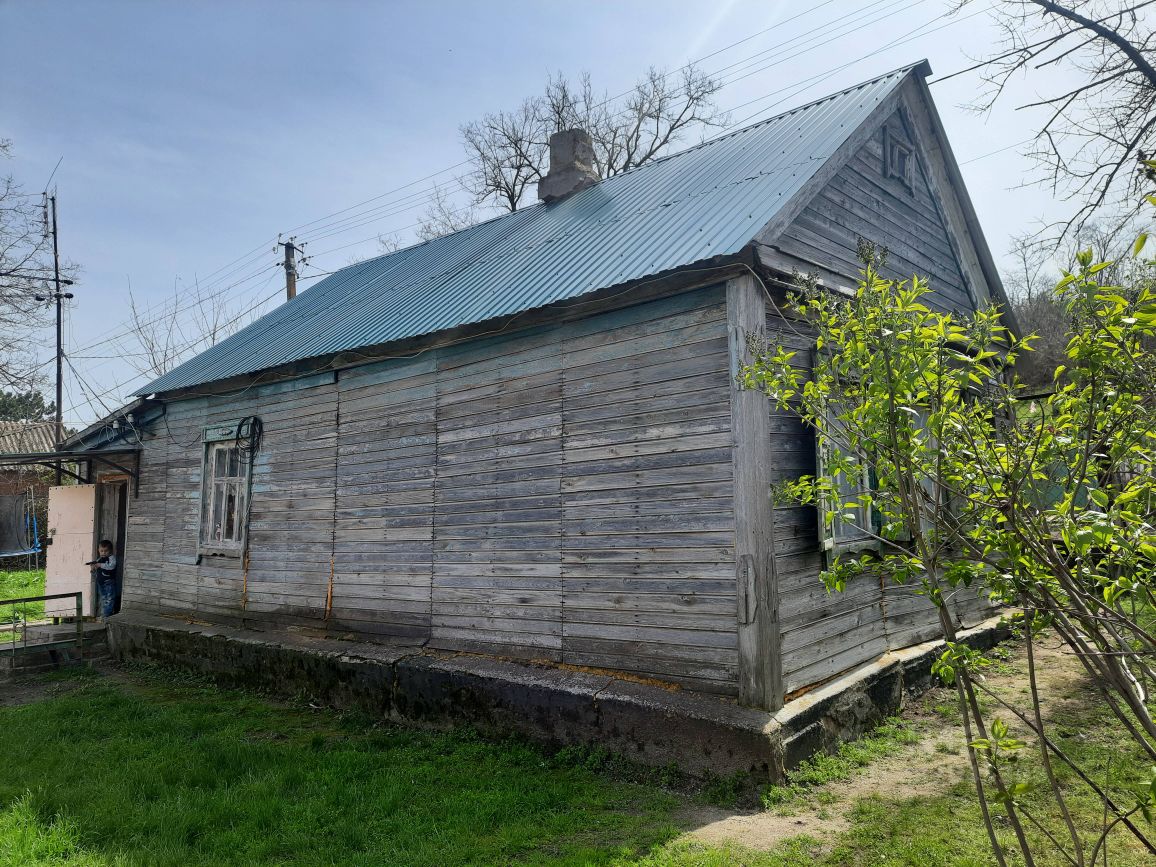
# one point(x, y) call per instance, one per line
point(957, 658)
point(1047, 502)
point(1146, 798)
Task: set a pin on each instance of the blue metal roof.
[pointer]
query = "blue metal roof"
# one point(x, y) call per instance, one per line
point(708, 201)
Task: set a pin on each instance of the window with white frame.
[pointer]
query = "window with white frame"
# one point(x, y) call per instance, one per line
point(854, 525)
point(224, 498)
point(857, 525)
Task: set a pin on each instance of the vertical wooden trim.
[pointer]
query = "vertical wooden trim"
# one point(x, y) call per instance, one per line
point(760, 668)
point(333, 517)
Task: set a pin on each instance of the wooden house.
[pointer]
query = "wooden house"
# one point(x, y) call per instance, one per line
point(525, 439)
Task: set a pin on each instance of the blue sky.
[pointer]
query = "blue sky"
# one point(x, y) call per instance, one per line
point(193, 133)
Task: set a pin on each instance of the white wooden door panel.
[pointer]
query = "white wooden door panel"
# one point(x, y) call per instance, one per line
point(71, 513)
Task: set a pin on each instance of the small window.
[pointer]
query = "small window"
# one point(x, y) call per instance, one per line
point(898, 159)
point(854, 526)
point(224, 499)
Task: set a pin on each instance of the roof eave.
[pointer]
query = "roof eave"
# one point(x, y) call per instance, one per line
point(677, 280)
point(90, 437)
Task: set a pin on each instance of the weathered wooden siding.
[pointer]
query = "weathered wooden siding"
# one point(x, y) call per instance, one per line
point(860, 202)
point(383, 532)
point(497, 523)
point(291, 522)
point(562, 494)
point(648, 521)
point(824, 634)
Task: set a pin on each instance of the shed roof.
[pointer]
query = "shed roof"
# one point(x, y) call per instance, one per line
point(687, 208)
point(27, 436)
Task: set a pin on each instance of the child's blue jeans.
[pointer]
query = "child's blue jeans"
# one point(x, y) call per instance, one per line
point(105, 596)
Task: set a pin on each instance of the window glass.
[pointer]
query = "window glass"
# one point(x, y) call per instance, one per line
point(224, 495)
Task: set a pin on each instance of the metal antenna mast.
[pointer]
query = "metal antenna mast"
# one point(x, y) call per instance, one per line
point(59, 297)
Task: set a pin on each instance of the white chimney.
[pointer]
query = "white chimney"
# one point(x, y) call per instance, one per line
point(571, 165)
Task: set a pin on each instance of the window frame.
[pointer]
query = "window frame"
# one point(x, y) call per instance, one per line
point(898, 160)
point(222, 439)
point(829, 537)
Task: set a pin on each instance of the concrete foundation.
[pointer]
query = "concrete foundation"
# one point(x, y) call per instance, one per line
point(643, 722)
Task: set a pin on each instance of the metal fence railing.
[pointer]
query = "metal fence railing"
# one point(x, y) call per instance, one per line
point(14, 619)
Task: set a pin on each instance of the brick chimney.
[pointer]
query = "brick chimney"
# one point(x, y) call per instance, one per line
point(571, 165)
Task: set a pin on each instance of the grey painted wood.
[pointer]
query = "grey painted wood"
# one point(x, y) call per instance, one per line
point(860, 201)
point(947, 183)
point(566, 493)
point(645, 420)
point(821, 634)
point(383, 521)
point(759, 649)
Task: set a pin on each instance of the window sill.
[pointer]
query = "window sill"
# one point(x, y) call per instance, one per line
point(232, 553)
point(855, 546)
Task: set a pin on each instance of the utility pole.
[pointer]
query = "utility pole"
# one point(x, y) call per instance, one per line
point(290, 269)
point(59, 298)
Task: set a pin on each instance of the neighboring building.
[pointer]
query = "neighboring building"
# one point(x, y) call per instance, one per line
point(30, 481)
point(21, 437)
point(525, 439)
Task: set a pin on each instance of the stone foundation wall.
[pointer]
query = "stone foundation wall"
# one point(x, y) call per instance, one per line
point(643, 722)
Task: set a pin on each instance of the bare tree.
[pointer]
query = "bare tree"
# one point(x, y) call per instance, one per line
point(25, 269)
point(1094, 135)
point(443, 218)
point(1037, 265)
point(1030, 274)
point(190, 323)
point(390, 243)
point(510, 149)
point(1030, 283)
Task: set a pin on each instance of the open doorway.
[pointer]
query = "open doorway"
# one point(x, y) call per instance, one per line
point(111, 520)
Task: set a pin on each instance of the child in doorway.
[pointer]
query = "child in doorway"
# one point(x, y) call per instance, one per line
point(104, 574)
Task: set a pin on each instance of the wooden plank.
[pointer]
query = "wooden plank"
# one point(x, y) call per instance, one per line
point(759, 648)
point(473, 464)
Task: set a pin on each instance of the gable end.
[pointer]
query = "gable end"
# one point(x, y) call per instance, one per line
point(894, 183)
point(883, 195)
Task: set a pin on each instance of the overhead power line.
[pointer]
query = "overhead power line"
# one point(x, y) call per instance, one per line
point(180, 308)
point(789, 91)
point(842, 26)
point(383, 206)
point(910, 35)
point(96, 396)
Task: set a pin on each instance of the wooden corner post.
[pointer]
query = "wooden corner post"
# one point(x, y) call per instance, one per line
point(760, 669)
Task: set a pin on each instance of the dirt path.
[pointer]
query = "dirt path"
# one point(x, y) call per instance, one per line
point(929, 767)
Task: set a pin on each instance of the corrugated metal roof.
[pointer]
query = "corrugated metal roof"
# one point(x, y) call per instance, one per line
point(20, 437)
point(707, 201)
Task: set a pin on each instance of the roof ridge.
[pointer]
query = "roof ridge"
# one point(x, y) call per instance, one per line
point(701, 209)
point(902, 70)
point(635, 169)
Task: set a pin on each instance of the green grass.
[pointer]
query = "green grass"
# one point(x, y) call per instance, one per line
point(26, 839)
point(886, 740)
point(798, 852)
point(157, 768)
point(186, 774)
point(18, 584)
